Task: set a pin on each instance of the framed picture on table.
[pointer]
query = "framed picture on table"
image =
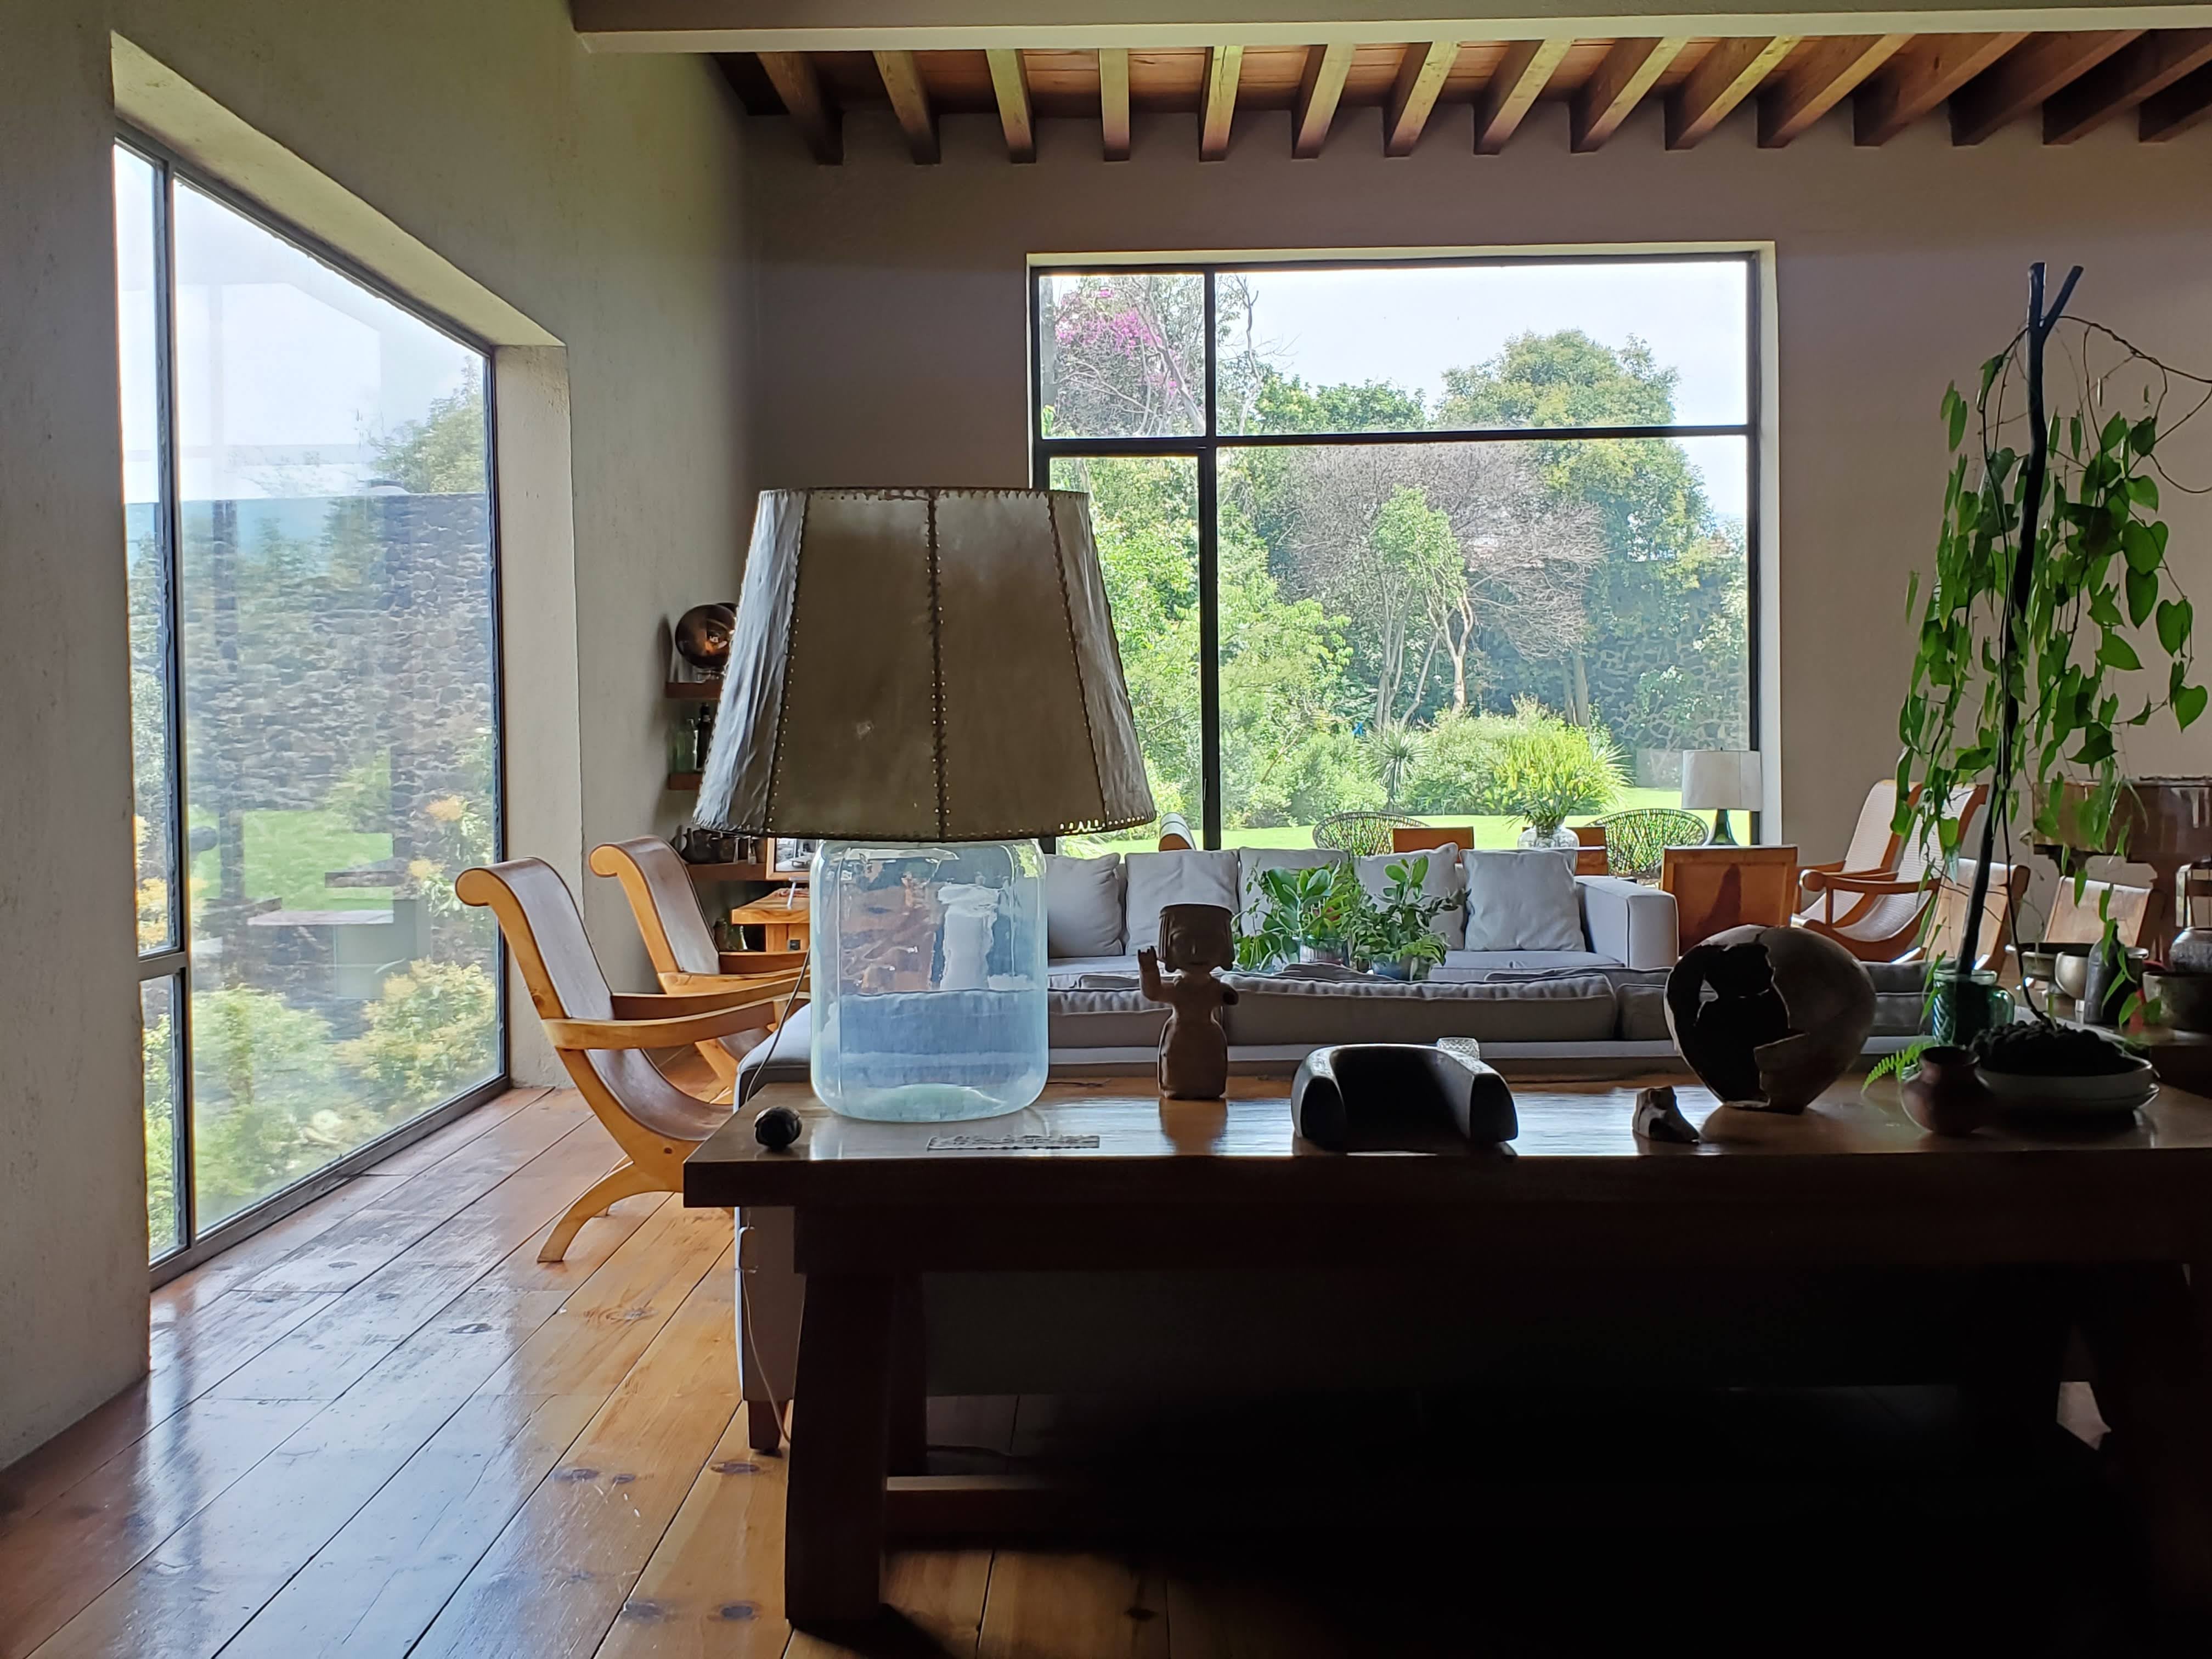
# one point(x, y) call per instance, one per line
point(790, 858)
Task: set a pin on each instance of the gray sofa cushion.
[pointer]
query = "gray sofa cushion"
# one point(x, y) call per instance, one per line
point(1102, 1019)
point(1083, 905)
point(1158, 879)
point(1269, 1012)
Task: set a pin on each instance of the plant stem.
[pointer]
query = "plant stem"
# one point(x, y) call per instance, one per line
point(2023, 589)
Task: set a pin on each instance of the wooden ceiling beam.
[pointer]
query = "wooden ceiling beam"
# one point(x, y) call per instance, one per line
point(2176, 110)
point(1421, 74)
point(910, 103)
point(2019, 83)
point(1914, 83)
point(1819, 81)
point(2137, 73)
point(1217, 110)
point(1728, 73)
point(1011, 88)
point(792, 74)
point(1616, 86)
point(1521, 76)
point(1114, 101)
point(1319, 88)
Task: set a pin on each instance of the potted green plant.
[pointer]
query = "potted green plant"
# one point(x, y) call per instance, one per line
point(1391, 935)
point(1303, 916)
point(2051, 581)
point(1545, 770)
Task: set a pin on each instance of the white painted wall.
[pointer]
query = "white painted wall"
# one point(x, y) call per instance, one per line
point(892, 320)
point(601, 197)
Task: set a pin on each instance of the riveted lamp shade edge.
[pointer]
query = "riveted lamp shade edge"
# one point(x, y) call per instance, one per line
point(1720, 779)
point(924, 666)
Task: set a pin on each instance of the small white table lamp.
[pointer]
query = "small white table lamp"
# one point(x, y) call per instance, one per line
point(1720, 780)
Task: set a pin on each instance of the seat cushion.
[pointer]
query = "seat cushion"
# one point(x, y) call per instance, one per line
point(1062, 973)
point(1103, 1019)
point(1522, 900)
point(1445, 879)
point(1271, 1010)
point(1467, 967)
point(1083, 905)
point(1158, 879)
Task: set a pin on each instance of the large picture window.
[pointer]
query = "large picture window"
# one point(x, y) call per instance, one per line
point(311, 558)
point(1380, 536)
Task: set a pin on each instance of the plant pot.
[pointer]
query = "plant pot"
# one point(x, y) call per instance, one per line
point(1561, 839)
point(2108, 983)
point(1946, 1096)
point(1961, 1010)
point(2185, 997)
point(1330, 954)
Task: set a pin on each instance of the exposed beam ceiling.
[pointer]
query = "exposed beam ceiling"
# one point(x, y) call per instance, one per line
point(1113, 102)
point(2071, 83)
point(1318, 92)
point(2141, 70)
point(1087, 25)
point(1522, 74)
point(1818, 81)
point(1217, 109)
point(1730, 73)
point(793, 76)
point(2027, 74)
point(1918, 79)
point(909, 102)
point(1420, 78)
point(1629, 71)
point(1012, 90)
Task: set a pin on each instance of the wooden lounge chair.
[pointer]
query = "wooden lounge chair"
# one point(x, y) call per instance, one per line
point(601, 1035)
point(683, 952)
point(1835, 898)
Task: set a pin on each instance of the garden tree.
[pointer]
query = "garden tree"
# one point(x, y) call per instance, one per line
point(440, 454)
point(1126, 353)
point(1663, 597)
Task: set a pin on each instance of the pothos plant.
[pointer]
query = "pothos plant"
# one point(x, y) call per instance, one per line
point(2051, 583)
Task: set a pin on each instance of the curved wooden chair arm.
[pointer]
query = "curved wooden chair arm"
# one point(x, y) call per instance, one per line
point(1877, 884)
point(677, 1033)
point(703, 1000)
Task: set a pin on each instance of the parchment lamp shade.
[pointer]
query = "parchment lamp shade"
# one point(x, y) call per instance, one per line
point(1720, 780)
point(924, 665)
point(925, 680)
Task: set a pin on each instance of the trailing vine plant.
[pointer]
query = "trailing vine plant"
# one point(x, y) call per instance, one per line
point(2051, 571)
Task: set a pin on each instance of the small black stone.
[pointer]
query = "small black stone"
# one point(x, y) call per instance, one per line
point(776, 1128)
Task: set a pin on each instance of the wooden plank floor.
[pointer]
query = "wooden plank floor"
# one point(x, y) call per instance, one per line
point(382, 1427)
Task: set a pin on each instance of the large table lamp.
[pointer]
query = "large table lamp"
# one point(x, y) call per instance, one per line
point(927, 680)
point(1720, 780)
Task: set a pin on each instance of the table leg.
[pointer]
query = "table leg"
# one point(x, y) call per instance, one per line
point(833, 1544)
point(909, 1389)
point(2154, 1387)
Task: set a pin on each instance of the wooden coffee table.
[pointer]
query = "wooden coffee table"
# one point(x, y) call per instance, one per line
point(2108, 1223)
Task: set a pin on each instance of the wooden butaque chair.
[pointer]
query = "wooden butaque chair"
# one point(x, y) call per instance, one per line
point(683, 953)
point(1592, 855)
point(1877, 854)
point(2000, 913)
point(601, 1035)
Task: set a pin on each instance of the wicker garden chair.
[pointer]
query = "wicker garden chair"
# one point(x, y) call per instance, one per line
point(1363, 835)
point(1636, 841)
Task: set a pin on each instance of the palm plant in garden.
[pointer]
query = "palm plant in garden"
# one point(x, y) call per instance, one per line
point(2048, 560)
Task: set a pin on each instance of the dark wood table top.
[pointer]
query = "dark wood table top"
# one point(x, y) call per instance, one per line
point(1846, 1171)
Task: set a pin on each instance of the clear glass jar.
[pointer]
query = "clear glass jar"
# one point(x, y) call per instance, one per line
point(928, 975)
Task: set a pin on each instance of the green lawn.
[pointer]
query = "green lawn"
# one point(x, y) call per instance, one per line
point(288, 853)
point(1488, 831)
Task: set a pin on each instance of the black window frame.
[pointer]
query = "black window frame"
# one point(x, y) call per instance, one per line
point(173, 962)
point(1204, 447)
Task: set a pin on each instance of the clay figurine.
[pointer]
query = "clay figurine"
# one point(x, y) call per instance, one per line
point(1196, 940)
point(1768, 1016)
point(1658, 1117)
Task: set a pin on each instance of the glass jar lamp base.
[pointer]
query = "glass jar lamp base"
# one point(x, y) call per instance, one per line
point(928, 968)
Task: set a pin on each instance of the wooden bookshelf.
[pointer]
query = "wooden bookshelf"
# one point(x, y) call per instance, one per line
point(693, 691)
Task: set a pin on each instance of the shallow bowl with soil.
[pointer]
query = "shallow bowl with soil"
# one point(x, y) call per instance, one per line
point(2034, 1066)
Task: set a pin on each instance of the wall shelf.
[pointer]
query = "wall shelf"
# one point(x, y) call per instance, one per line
point(693, 691)
point(684, 780)
point(712, 872)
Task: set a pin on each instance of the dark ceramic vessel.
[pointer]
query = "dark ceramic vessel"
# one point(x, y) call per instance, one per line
point(1946, 1096)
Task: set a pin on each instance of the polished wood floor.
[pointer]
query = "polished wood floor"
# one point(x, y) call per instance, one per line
point(382, 1427)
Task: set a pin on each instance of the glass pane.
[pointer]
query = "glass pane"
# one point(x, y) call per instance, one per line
point(145, 546)
point(1143, 511)
point(1527, 344)
point(1466, 633)
point(157, 1006)
point(1120, 354)
point(336, 594)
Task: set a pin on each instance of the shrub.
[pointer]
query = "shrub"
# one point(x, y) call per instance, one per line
point(430, 1036)
point(1545, 770)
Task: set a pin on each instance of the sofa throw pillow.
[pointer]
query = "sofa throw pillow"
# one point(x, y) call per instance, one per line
point(1444, 880)
point(1082, 905)
point(1522, 899)
point(1157, 879)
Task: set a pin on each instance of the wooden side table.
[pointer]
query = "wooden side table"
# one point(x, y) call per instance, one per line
point(782, 917)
